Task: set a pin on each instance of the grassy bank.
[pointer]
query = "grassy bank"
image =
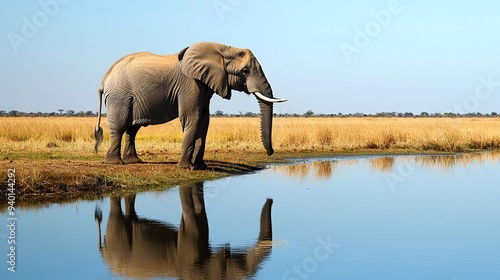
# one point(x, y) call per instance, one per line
point(54, 158)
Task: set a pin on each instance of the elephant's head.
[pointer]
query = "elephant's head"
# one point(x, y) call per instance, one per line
point(223, 68)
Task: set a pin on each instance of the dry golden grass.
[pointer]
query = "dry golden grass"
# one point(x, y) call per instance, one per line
point(74, 135)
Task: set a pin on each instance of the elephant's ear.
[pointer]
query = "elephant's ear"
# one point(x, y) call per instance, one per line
point(204, 62)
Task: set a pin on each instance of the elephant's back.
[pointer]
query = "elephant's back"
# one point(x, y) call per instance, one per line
point(145, 62)
point(137, 63)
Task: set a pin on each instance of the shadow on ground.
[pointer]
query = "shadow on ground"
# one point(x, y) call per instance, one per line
point(232, 168)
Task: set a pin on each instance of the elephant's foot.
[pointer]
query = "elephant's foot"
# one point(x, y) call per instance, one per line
point(185, 164)
point(188, 165)
point(132, 159)
point(200, 166)
point(113, 160)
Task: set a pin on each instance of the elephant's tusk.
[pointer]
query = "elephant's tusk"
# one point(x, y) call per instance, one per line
point(265, 98)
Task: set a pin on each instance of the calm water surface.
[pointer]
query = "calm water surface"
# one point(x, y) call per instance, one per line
point(402, 217)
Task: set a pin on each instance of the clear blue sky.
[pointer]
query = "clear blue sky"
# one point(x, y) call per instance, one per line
point(327, 56)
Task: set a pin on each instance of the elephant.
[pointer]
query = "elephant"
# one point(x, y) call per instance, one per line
point(136, 247)
point(144, 89)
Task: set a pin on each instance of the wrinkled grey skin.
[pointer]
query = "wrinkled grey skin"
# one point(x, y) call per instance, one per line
point(144, 89)
point(136, 247)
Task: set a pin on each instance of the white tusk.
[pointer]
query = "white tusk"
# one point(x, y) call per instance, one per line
point(265, 98)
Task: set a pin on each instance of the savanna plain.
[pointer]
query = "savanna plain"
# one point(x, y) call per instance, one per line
point(54, 157)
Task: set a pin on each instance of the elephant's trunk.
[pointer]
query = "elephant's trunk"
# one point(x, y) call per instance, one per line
point(264, 95)
point(266, 125)
point(261, 88)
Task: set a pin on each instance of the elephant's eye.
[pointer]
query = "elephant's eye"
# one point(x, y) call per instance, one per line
point(245, 71)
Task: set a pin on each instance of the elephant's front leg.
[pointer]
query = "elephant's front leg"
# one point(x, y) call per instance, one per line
point(194, 116)
point(201, 137)
point(195, 128)
point(189, 124)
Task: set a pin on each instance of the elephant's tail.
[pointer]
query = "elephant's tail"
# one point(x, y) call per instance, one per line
point(98, 129)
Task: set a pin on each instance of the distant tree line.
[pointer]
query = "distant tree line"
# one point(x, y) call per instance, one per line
point(310, 113)
point(62, 112)
point(307, 114)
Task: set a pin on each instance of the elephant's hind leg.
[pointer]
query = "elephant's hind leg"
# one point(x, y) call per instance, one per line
point(119, 119)
point(129, 151)
point(113, 153)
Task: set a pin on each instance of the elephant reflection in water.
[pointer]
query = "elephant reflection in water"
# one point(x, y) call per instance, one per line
point(140, 248)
